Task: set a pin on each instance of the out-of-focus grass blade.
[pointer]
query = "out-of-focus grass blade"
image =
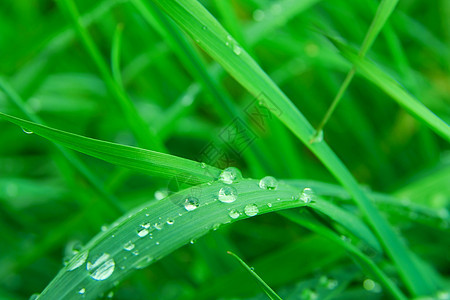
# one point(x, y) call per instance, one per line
point(391, 87)
point(154, 230)
point(142, 160)
point(210, 35)
point(266, 288)
point(384, 10)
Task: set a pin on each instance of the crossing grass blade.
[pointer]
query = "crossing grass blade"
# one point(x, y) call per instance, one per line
point(147, 161)
point(398, 93)
point(266, 288)
point(195, 20)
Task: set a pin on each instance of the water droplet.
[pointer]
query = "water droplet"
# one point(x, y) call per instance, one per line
point(317, 137)
point(142, 232)
point(82, 291)
point(101, 268)
point(145, 225)
point(203, 165)
point(104, 228)
point(27, 131)
point(77, 260)
point(234, 214)
point(170, 221)
point(307, 195)
point(204, 27)
point(331, 284)
point(227, 194)
point(135, 252)
point(128, 246)
point(144, 262)
point(268, 183)
point(369, 284)
point(191, 203)
point(251, 210)
point(259, 15)
point(192, 241)
point(35, 296)
point(237, 50)
point(161, 194)
point(157, 243)
point(269, 204)
point(230, 175)
point(110, 295)
point(158, 226)
point(308, 294)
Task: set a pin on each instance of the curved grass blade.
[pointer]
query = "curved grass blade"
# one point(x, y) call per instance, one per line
point(391, 87)
point(266, 288)
point(192, 17)
point(147, 161)
point(157, 228)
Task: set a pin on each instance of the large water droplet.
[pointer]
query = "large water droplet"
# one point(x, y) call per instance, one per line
point(144, 262)
point(234, 214)
point(102, 267)
point(237, 50)
point(307, 195)
point(268, 183)
point(142, 232)
point(230, 175)
point(27, 131)
point(191, 203)
point(128, 246)
point(227, 194)
point(77, 260)
point(251, 210)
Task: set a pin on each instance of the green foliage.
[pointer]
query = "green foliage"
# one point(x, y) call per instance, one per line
point(134, 109)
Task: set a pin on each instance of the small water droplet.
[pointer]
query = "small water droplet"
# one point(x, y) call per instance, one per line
point(191, 203)
point(135, 252)
point(237, 50)
point(146, 225)
point(369, 284)
point(268, 183)
point(110, 295)
point(317, 137)
point(203, 165)
point(170, 221)
point(144, 262)
point(227, 194)
point(269, 204)
point(158, 226)
point(157, 243)
point(128, 246)
point(307, 195)
point(192, 241)
point(230, 175)
point(27, 131)
point(77, 260)
point(234, 214)
point(308, 294)
point(104, 228)
point(101, 268)
point(251, 210)
point(160, 194)
point(82, 291)
point(35, 296)
point(143, 232)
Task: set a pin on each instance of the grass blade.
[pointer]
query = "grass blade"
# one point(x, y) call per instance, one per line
point(204, 28)
point(266, 288)
point(391, 87)
point(142, 160)
point(384, 10)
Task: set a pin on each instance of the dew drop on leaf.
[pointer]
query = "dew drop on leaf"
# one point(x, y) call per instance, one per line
point(268, 183)
point(234, 214)
point(27, 131)
point(191, 203)
point(128, 246)
point(251, 210)
point(143, 262)
point(82, 291)
point(307, 195)
point(101, 268)
point(227, 194)
point(77, 260)
point(142, 232)
point(230, 175)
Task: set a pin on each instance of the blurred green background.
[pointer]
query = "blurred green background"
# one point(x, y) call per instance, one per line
point(46, 207)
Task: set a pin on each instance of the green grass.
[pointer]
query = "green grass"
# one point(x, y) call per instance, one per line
point(136, 107)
